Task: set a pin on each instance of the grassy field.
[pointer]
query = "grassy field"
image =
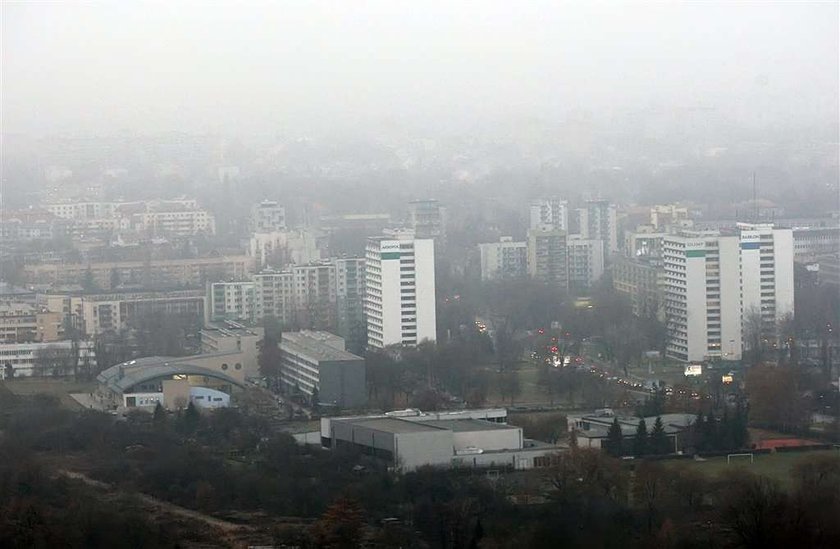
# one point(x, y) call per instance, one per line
point(778, 466)
point(60, 388)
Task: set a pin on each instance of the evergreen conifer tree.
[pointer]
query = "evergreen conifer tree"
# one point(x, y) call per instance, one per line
point(615, 440)
point(640, 442)
point(659, 443)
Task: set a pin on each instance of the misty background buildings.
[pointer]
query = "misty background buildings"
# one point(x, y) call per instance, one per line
point(298, 266)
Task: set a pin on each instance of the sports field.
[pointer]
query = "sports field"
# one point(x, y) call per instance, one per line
point(777, 465)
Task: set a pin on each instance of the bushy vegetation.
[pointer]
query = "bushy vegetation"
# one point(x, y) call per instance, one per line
point(227, 462)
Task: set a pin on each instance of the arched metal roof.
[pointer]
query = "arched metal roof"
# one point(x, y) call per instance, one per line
point(123, 377)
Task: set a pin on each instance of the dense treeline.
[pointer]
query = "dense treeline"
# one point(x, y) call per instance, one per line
point(227, 462)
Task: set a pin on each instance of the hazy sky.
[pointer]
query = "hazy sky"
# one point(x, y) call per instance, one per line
point(253, 66)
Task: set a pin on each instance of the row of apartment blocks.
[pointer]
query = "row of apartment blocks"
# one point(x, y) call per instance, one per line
point(640, 272)
point(549, 254)
point(29, 323)
point(595, 220)
point(86, 220)
point(707, 285)
point(324, 295)
point(567, 249)
point(718, 286)
point(176, 218)
point(193, 272)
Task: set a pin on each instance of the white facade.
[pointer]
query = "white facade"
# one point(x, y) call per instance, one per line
point(664, 216)
point(204, 397)
point(400, 290)
point(427, 218)
point(702, 297)
point(232, 301)
point(597, 221)
point(268, 216)
point(550, 211)
point(179, 217)
point(714, 283)
point(547, 255)
point(766, 272)
point(278, 249)
point(504, 259)
point(274, 294)
point(23, 357)
point(585, 259)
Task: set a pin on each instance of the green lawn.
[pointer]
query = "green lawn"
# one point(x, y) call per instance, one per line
point(777, 466)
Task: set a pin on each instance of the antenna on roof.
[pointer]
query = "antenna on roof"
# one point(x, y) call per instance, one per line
point(755, 200)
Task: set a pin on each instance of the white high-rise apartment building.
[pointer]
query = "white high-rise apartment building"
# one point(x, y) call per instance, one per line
point(427, 218)
point(504, 259)
point(766, 273)
point(232, 301)
point(715, 282)
point(597, 221)
point(400, 290)
point(547, 255)
point(550, 211)
point(585, 259)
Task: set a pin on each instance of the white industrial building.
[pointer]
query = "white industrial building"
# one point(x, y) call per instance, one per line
point(400, 290)
point(504, 259)
point(410, 439)
point(714, 282)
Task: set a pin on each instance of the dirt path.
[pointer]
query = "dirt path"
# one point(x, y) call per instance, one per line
point(232, 535)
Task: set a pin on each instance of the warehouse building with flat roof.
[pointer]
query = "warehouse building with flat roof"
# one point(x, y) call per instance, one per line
point(407, 442)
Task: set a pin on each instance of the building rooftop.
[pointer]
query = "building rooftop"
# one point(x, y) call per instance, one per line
point(229, 328)
point(316, 345)
point(127, 374)
point(467, 425)
point(394, 425)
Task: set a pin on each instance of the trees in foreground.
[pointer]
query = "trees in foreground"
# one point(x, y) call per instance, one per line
point(227, 461)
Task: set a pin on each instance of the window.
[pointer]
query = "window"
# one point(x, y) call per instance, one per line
point(238, 366)
point(224, 366)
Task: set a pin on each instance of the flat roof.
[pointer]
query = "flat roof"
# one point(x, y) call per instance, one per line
point(466, 425)
point(394, 425)
point(316, 345)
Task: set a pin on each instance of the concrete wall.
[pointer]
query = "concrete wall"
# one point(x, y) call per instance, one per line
point(423, 448)
point(424, 260)
point(343, 383)
point(358, 434)
point(176, 393)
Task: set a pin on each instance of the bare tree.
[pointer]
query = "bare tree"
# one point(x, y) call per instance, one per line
point(53, 360)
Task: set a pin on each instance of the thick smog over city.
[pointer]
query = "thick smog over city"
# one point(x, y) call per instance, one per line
point(478, 274)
